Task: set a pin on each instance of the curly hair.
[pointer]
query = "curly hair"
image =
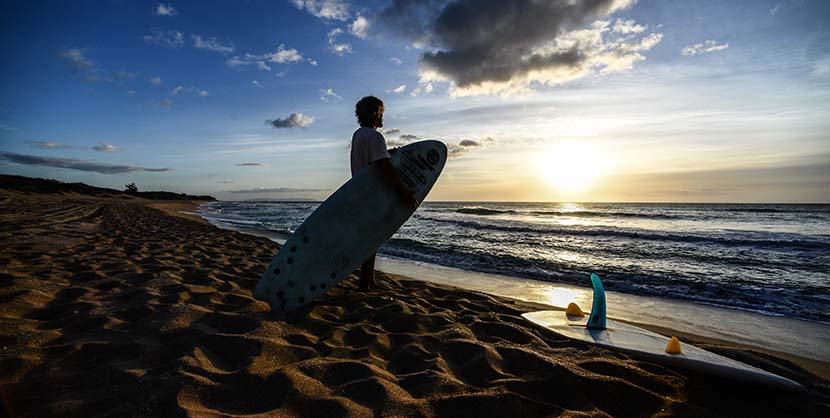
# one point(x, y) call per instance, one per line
point(367, 110)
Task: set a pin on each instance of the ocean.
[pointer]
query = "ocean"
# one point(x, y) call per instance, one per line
point(771, 259)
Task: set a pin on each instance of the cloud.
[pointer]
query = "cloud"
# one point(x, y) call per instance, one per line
point(165, 10)
point(312, 62)
point(81, 65)
point(212, 44)
point(90, 72)
point(408, 137)
point(46, 144)
point(295, 120)
point(397, 90)
point(280, 56)
point(253, 165)
point(360, 27)
point(76, 58)
point(466, 146)
point(182, 89)
point(106, 147)
point(256, 83)
point(86, 69)
point(324, 9)
point(166, 38)
point(166, 103)
point(328, 95)
point(628, 26)
point(423, 88)
point(395, 60)
point(74, 164)
point(337, 48)
point(156, 81)
point(122, 75)
point(389, 131)
point(702, 48)
point(396, 143)
point(502, 47)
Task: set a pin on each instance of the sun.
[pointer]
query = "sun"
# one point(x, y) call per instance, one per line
point(571, 167)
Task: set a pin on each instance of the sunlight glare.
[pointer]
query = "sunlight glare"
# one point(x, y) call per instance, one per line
point(571, 167)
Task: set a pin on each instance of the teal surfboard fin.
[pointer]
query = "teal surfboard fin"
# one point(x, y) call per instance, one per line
point(597, 319)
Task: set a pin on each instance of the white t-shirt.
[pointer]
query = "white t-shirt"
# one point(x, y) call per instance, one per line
point(368, 146)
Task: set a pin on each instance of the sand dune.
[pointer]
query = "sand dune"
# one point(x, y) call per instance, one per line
point(113, 308)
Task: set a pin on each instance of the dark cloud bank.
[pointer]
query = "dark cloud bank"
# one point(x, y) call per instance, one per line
point(73, 164)
point(471, 42)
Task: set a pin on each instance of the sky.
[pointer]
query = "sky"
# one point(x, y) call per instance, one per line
point(565, 100)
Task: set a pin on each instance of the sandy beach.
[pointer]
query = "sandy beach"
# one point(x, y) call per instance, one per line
point(125, 307)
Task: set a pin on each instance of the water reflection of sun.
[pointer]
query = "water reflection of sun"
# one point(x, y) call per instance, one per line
point(571, 167)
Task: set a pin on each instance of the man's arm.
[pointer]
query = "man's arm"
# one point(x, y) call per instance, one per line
point(391, 175)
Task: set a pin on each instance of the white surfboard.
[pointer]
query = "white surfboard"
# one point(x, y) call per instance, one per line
point(651, 346)
point(347, 228)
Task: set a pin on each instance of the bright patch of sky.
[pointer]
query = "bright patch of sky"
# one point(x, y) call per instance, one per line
point(678, 101)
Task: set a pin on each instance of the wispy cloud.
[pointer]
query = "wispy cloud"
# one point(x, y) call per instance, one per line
point(295, 120)
point(122, 75)
point(312, 62)
point(46, 144)
point(81, 66)
point(74, 164)
point(165, 10)
point(156, 81)
point(190, 89)
point(334, 46)
point(703, 47)
point(282, 55)
point(166, 38)
point(274, 190)
point(324, 9)
point(264, 165)
point(166, 103)
point(328, 95)
point(396, 60)
point(212, 44)
point(256, 83)
point(397, 90)
point(75, 57)
point(628, 26)
point(106, 147)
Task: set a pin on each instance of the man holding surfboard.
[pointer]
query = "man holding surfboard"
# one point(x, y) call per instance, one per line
point(368, 148)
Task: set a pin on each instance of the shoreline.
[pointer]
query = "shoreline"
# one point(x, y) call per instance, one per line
point(805, 354)
point(116, 308)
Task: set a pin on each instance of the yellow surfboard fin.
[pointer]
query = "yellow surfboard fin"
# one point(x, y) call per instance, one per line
point(574, 310)
point(673, 347)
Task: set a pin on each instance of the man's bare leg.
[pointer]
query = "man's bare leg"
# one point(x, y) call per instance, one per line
point(367, 273)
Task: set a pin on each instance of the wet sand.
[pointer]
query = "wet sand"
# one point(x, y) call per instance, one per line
point(116, 308)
